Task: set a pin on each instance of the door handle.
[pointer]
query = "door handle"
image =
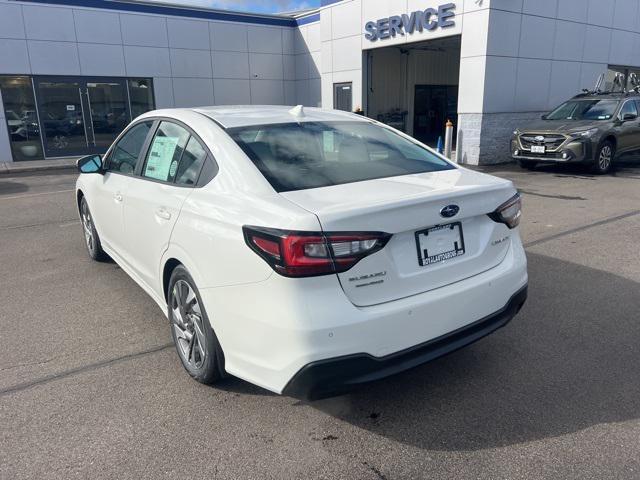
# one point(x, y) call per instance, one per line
point(163, 214)
point(118, 197)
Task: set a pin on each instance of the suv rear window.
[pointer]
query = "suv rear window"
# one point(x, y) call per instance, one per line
point(298, 156)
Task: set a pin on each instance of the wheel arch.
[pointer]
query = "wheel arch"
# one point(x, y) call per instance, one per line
point(610, 137)
point(79, 197)
point(169, 266)
point(173, 257)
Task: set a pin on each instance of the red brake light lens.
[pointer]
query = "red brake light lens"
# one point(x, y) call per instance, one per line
point(269, 247)
point(306, 254)
point(509, 212)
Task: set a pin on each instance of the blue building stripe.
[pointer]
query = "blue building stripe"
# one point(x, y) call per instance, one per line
point(179, 12)
point(324, 3)
point(309, 19)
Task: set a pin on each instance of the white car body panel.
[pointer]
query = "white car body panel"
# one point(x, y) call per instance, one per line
point(270, 326)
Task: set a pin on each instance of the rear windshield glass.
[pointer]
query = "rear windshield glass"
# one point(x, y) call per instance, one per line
point(298, 156)
point(585, 110)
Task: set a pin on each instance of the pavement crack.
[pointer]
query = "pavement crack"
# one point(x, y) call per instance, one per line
point(42, 224)
point(29, 364)
point(557, 197)
point(375, 470)
point(86, 368)
point(581, 229)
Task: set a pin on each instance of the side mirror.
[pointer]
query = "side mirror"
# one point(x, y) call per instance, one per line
point(90, 164)
point(544, 117)
point(629, 116)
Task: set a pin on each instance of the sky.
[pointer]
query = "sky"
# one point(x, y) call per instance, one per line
point(256, 6)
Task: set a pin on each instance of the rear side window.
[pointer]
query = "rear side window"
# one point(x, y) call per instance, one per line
point(298, 156)
point(125, 153)
point(191, 163)
point(165, 152)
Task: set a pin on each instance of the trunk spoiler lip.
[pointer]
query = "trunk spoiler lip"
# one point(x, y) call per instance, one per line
point(451, 194)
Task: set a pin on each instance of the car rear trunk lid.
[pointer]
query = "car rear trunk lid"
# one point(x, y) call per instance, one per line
point(418, 257)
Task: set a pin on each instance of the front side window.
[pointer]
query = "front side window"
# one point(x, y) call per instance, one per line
point(594, 109)
point(297, 156)
point(124, 156)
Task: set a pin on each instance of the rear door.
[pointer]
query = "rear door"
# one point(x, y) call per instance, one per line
point(155, 197)
point(108, 198)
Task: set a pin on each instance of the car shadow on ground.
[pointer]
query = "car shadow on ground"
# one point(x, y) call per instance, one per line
point(567, 362)
point(8, 187)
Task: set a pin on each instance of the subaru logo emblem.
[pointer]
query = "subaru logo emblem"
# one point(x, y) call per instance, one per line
point(539, 138)
point(449, 211)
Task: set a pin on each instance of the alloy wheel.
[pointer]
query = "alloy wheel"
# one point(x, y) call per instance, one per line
point(188, 325)
point(87, 226)
point(604, 160)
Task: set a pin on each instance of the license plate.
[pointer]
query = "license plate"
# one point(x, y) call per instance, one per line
point(538, 149)
point(437, 244)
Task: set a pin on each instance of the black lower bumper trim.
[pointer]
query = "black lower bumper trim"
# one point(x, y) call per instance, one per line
point(335, 376)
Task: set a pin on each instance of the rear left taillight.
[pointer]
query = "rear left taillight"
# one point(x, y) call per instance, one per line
point(509, 212)
point(308, 254)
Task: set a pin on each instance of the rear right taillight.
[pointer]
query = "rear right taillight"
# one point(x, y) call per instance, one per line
point(509, 212)
point(307, 254)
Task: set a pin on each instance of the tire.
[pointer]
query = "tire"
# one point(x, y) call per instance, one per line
point(527, 164)
point(195, 341)
point(91, 238)
point(603, 161)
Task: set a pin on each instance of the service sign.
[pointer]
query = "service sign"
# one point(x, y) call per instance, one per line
point(420, 20)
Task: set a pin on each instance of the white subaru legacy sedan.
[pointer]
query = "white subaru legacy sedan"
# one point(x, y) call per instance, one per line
point(303, 250)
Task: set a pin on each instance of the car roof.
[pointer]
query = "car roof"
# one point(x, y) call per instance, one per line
point(607, 96)
point(248, 115)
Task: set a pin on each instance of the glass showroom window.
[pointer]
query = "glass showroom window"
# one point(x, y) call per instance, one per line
point(141, 96)
point(21, 118)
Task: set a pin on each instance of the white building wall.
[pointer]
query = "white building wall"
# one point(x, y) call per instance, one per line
point(518, 58)
point(539, 53)
point(192, 61)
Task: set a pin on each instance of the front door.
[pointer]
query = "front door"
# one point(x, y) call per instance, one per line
point(110, 195)
point(433, 106)
point(80, 116)
point(629, 130)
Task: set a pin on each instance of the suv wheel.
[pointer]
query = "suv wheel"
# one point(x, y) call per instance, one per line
point(195, 341)
point(604, 158)
point(528, 164)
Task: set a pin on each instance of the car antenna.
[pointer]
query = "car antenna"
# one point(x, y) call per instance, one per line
point(297, 111)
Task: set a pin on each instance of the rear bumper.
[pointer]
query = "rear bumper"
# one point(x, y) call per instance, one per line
point(271, 330)
point(337, 375)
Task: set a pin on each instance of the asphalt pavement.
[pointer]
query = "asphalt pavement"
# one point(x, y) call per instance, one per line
point(91, 387)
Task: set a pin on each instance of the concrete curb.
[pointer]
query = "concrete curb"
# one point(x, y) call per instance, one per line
point(9, 168)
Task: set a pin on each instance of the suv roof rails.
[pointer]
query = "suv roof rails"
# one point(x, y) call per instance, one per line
point(620, 80)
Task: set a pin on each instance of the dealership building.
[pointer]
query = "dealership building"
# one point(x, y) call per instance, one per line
point(74, 73)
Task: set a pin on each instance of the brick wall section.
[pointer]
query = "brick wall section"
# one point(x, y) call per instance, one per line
point(483, 138)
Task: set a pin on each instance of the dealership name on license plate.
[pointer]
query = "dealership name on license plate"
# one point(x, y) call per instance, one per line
point(441, 243)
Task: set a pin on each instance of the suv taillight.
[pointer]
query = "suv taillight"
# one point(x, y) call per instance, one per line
point(308, 254)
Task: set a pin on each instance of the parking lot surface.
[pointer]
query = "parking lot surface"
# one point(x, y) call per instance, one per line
point(91, 387)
